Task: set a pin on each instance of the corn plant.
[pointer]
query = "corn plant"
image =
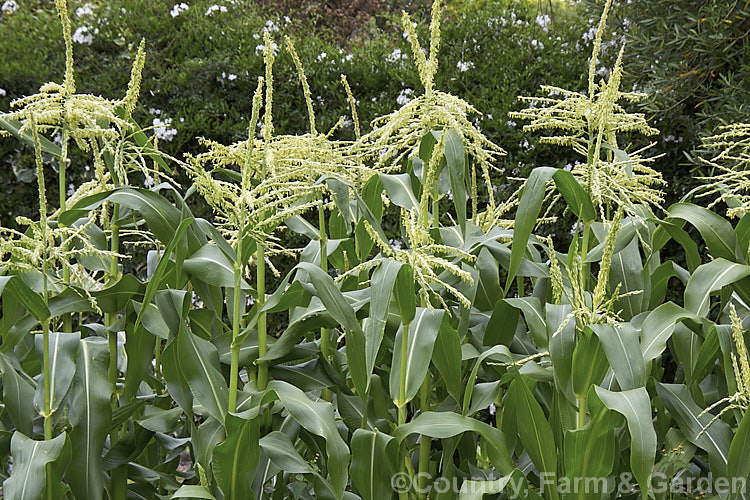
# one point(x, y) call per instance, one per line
point(471, 356)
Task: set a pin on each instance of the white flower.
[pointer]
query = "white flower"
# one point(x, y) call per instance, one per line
point(537, 44)
point(577, 228)
point(464, 66)
point(86, 10)
point(155, 111)
point(395, 56)
point(590, 34)
point(162, 132)
point(396, 244)
point(9, 7)
point(215, 8)
point(510, 123)
point(270, 26)
point(84, 35)
point(179, 9)
point(404, 97)
point(322, 56)
point(2, 92)
point(231, 77)
point(71, 189)
point(544, 21)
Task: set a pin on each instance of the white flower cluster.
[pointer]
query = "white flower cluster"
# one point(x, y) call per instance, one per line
point(85, 35)
point(544, 21)
point(465, 66)
point(9, 7)
point(179, 8)
point(216, 8)
point(86, 10)
point(395, 56)
point(405, 97)
point(163, 130)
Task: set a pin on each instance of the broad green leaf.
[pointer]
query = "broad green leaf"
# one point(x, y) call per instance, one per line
point(193, 491)
point(204, 439)
point(532, 313)
point(529, 206)
point(635, 406)
point(172, 369)
point(476, 489)
point(419, 346)
point(575, 196)
point(62, 366)
point(501, 327)
point(340, 191)
point(114, 298)
point(159, 420)
point(499, 352)
point(400, 190)
point(337, 306)
point(590, 363)
point(716, 231)
point(562, 342)
point(443, 425)
point(738, 460)
point(659, 326)
point(589, 452)
point(374, 462)
point(588, 455)
point(489, 291)
point(383, 279)
point(318, 419)
point(627, 270)
point(708, 279)
point(18, 396)
point(27, 137)
point(692, 256)
point(308, 376)
point(89, 414)
point(284, 456)
point(280, 449)
point(199, 365)
point(162, 216)
point(210, 265)
point(621, 347)
point(406, 296)
point(660, 281)
point(32, 301)
point(533, 429)
point(158, 276)
point(704, 363)
point(717, 437)
point(446, 356)
point(455, 162)
point(139, 347)
point(30, 458)
point(234, 460)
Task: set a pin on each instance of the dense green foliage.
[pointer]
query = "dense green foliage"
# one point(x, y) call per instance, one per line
point(432, 329)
